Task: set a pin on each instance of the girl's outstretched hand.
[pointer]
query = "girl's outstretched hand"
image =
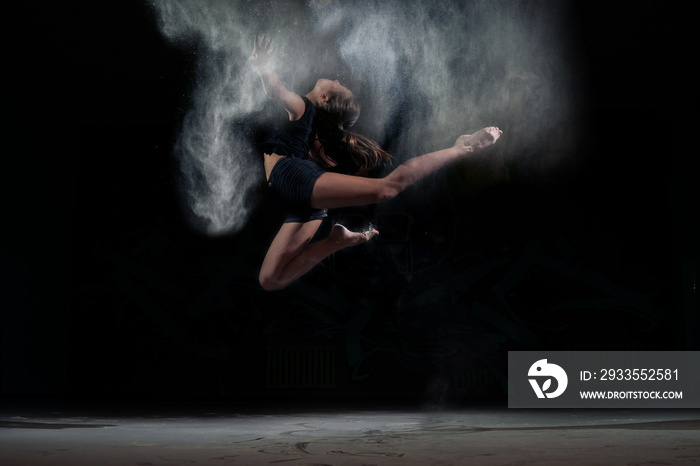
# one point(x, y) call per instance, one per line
point(262, 51)
point(485, 137)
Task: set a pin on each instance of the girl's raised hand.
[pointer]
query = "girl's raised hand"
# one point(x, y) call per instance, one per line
point(262, 51)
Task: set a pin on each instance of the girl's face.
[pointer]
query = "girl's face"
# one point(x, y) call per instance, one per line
point(328, 87)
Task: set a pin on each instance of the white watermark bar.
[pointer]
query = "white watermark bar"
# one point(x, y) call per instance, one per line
point(604, 379)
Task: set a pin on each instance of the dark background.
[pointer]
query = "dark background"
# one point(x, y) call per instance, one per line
point(107, 293)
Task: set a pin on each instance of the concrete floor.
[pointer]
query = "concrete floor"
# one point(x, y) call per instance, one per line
point(474, 436)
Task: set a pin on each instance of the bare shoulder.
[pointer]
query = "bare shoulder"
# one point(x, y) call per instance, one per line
point(293, 104)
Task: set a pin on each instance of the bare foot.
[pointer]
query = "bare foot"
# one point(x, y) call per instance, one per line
point(345, 238)
point(469, 143)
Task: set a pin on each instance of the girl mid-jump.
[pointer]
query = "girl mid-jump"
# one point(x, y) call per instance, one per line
point(317, 165)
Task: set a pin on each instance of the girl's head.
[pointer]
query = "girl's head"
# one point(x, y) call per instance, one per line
point(335, 103)
point(336, 110)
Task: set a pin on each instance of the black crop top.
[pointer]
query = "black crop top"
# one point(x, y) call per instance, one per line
point(298, 136)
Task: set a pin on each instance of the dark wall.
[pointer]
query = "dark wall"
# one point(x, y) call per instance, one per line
point(109, 292)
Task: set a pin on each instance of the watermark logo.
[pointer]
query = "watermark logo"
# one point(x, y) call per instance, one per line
point(544, 371)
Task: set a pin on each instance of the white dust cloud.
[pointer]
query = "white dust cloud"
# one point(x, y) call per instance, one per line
point(425, 72)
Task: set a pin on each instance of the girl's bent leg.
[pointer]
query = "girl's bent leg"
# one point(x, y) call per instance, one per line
point(290, 241)
point(291, 256)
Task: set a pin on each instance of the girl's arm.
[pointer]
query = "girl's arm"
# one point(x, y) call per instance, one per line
point(273, 87)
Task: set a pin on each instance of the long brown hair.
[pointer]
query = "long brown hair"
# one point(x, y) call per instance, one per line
point(352, 152)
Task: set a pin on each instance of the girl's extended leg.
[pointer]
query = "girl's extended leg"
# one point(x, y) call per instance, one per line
point(290, 255)
point(334, 190)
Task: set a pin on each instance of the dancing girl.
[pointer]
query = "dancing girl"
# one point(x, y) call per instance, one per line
point(317, 164)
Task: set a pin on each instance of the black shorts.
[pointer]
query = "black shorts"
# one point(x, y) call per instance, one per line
point(292, 179)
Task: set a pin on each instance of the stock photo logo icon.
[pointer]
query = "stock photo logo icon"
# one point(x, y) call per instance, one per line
point(543, 373)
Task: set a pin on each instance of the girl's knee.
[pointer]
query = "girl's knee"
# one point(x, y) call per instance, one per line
point(268, 279)
point(269, 283)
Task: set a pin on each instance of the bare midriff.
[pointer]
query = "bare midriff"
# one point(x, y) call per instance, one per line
point(270, 161)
